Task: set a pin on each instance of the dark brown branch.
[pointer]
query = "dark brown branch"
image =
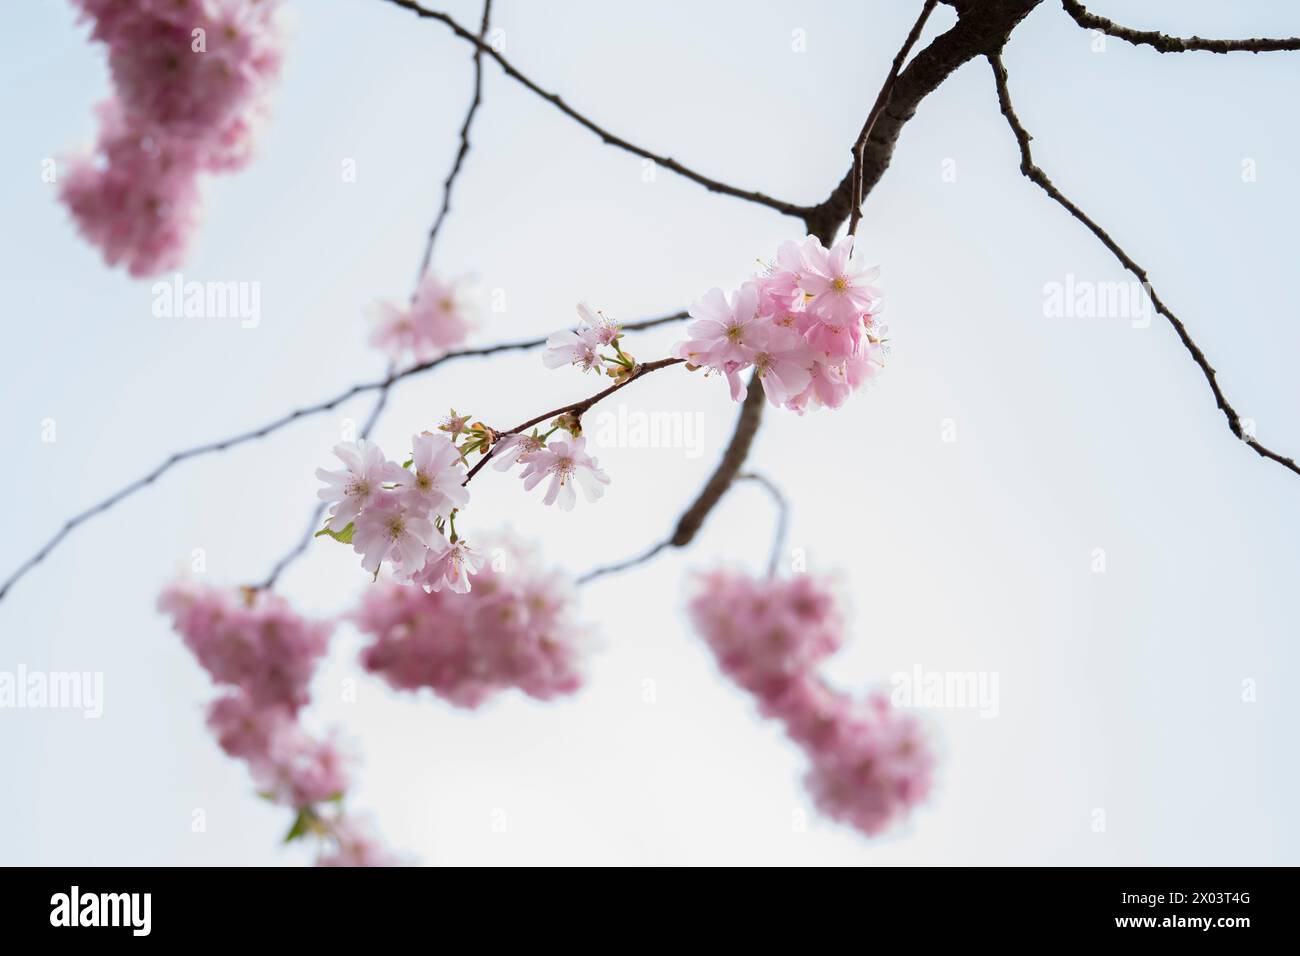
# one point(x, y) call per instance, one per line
point(1164, 43)
point(751, 413)
point(209, 448)
point(878, 107)
point(713, 185)
point(983, 26)
point(1040, 178)
point(576, 409)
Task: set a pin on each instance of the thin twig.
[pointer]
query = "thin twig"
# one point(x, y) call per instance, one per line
point(1165, 43)
point(782, 517)
point(1037, 176)
point(426, 259)
point(314, 523)
point(450, 182)
point(667, 162)
point(632, 562)
point(576, 409)
point(209, 448)
point(878, 107)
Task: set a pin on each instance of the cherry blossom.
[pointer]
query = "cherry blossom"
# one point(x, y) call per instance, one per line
point(515, 450)
point(190, 83)
point(251, 640)
point(564, 462)
point(389, 529)
point(136, 195)
point(436, 321)
point(350, 490)
point(516, 628)
point(433, 485)
point(581, 346)
point(807, 327)
point(449, 566)
point(870, 763)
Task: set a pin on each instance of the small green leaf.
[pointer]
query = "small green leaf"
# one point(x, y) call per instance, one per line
point(344, 536)
point(301, 825)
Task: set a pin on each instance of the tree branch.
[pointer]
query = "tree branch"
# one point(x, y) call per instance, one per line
point(209, 448)
point(577, 409)
point(713, 185)
point(1037, 176)
point(1164, 43)
point(450, 182)
point(983, 26)
point(882, 98)
point(782, 517)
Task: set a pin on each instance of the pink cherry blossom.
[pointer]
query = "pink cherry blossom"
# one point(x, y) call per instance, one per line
point(433, 484)
point(364, 477)
point(869, 763)
point(389, 529)
point(435, 321)
point(251, 640)
point(877, 770)
point(136, 197)
point(839, 284)
point(190, 81)
point(806, 327)
point(724, 334)
point(580, 347)
point(448, 565)
point(515, 450)
point(516, 628)
point(783, 364)
point(565, 463)
point(355, 844)
point(597, 324)
point(764, 631)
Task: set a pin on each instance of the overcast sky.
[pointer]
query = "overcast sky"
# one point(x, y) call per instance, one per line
point(962, 502)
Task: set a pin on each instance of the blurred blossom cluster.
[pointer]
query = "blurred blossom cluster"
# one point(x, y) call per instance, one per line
point(264, 655)
point(869, 762)
point(517, 628)
point(190, 80)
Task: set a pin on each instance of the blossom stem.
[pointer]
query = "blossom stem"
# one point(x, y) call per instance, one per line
point(576, 409)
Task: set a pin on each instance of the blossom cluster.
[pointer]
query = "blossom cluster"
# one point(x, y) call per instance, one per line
point(264, 654)
point(406, 514)
point(190, 79)
point(582, 346)
point(435, 321)
point(808, 327)
point(869, 762)
point(516, 628)
point(400, 514)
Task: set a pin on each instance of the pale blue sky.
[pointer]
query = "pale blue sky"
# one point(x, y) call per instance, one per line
point(1118, 691)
